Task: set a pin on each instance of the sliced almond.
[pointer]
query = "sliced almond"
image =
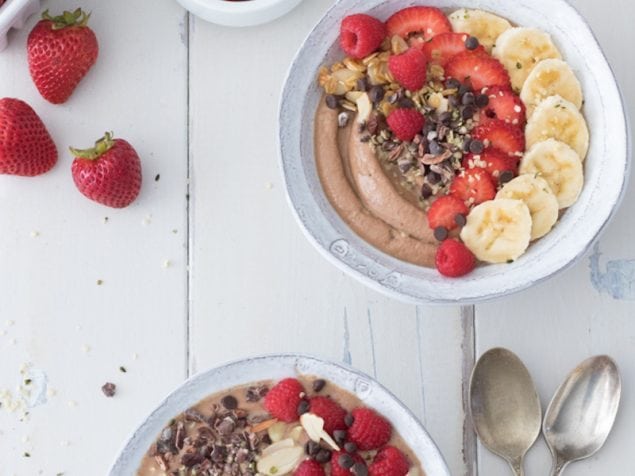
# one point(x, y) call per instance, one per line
point(398, 45)
point(280, 445)
point(364, 108)
point(263, 425)
point(296, 433)
point(314, 427)
point(281, 462)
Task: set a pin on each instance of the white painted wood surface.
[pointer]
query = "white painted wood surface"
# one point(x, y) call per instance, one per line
point(200, 101)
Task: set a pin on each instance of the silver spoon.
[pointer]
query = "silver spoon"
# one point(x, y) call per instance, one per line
point(505, 407)
point(582, 412)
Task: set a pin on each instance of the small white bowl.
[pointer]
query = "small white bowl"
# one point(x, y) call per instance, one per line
point(274, 367)
point(240, 13)
point(606, 168)
point(14, 14)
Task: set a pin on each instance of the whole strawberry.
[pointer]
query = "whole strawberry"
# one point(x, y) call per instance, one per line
point(61, 50)
point(26, 147)
point(109, 173)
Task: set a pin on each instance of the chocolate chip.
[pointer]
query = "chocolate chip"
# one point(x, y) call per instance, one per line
point(323, 456)
point(471, 43)
point(445, 118)
point(477, 147)
point(362, 84)
point(406, 103)
point(349, 420)
point(452, 84)
point(466, 145)
point(312, 448)
point(435, 148)
point(464, 88)
point(109, 389)
point(441, 233)
point(468, 112)
point(505, 176)
point(350, 447)
point(229, 402)
point(453, 100)
point(318, 385)
point(482, 100)
point(339, 436)
point(359, 469)
point(460, 219)
point(332, 101)
point(468, 98)
point(426, 191)
point(376, 94)
point(434, 178)
point(346, 461)
point(303, 407)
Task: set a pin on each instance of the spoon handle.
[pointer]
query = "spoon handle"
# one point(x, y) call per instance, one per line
point(558, 467)
point(517, 467)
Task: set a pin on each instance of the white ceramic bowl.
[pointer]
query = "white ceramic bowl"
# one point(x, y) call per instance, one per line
point(276, 367)
point(14, 14)
point(242, 13)
point(606, 167)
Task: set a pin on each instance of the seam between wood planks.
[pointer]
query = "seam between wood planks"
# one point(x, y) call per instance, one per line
point(468, 347)
point(189, 234)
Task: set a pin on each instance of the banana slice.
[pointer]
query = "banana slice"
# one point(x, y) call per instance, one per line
point(537, 195)
point(551, 77)
point(560, 166)
point(498, 231)
point(559, 119)
point(521, 49)
point(485, 26)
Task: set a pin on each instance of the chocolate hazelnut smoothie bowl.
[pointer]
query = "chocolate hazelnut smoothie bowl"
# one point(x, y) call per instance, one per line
point(449, 139)
point(300, 426)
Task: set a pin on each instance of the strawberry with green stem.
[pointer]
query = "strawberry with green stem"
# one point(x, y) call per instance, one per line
point(61, 51)
point(109, 173)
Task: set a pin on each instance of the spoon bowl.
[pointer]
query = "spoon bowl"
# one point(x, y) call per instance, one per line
point(582, 412)
point(504, 405)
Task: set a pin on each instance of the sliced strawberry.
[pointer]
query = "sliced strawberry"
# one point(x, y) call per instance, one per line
point(426, 22)
point(477, 68)
point(493, 160)
point(443, 212)
point(474, 186)
point(506, 137)
point(505, 105)
point(361, 34)
point(445, 46)
point(409, 69)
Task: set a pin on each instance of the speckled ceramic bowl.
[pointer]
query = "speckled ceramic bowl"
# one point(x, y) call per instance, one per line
point(277, 367)
point(606, 167)
point(242, 13)
point(13, 14)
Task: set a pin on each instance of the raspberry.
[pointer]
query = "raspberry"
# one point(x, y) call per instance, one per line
point(283, 399)
point(454, 259)
point(409, 69)
point(330, 411)
point(341, 460)
point(405, 123)
point(361, 34)
point(309, 467)
point(369, 430)
point(389, 461)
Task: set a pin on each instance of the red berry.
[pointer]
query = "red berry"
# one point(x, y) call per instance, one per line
point(504, 105)
point(330, 411)
point(337, 469)
point(26, 147)
point(444, 210)
point(61, 50)
point(369, 430)
point(109, 174)
point(389, 461)
point(309, 467)
point(283, 399)
point(509, 139)
point(361, 35)
point(473, 186)
point(409, 69)
point(454, 259)
point(443, 47)
point(405, 123)
point(425, 22)
point(477, 68)
point(493, 160)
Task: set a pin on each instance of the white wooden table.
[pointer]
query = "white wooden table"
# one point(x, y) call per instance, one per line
point(209, 265)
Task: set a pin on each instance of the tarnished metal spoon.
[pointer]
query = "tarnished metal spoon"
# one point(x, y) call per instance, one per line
point(582, 412)
point(505, 407)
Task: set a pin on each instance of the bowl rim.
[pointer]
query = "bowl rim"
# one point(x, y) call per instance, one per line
point(393, 292)
point(238, 8)
point(440, 468)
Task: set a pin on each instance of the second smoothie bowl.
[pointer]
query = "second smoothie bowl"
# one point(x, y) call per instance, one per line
point(425, 136)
